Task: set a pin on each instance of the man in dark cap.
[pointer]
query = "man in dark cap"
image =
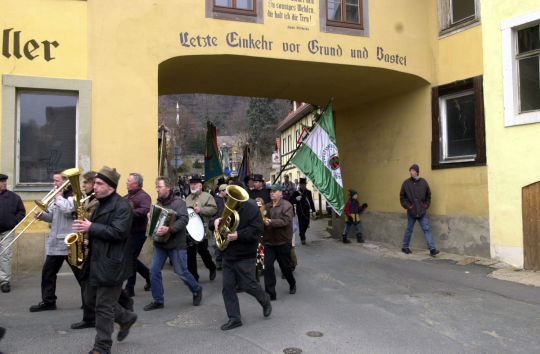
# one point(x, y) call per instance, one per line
point(415, 197)
point(109, 260)
point(303, 201)
point(11, 213)
point(353, 209)
point(259, 189)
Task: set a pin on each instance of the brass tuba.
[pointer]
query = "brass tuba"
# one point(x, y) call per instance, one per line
point(77, 252)
point(229, 218)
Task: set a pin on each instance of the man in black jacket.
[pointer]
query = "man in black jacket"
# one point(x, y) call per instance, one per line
point(170, 242)
point(11, 213)
point(109, 261)
point(239, 260)
point(415, 196)
point(303, 201)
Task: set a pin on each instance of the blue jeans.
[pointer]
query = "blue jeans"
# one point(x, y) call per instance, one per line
point(179, 261)
point(357, 225)
point(424, 222)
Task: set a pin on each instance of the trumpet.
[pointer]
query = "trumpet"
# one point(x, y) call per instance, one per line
point(43, 204)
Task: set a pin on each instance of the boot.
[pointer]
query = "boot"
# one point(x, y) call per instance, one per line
point(346, 240)
point(359, 239)
point(294, 260)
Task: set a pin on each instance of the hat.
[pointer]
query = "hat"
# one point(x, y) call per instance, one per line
point(258, 178)
point(286, 175)
point(276, 187)
point(3, 177)
point(303, 180)
point(415, 167)
point(222, 187)
point(220, 181)
point(109, 175)
point(195, 179)
point(352, 192)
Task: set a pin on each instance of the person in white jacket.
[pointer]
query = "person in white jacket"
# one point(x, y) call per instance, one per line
point(60, 216)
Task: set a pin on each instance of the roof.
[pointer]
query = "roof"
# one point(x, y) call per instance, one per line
point(295, 116)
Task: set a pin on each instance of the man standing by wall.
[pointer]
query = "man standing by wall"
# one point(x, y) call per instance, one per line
point(304, 202)
point(109, 261)
point(203, 203)
point(415, 196)
point(11, 213)
point(140, 204)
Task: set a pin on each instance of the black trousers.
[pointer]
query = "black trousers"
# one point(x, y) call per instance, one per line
point(283, 255)
point(239, 272)
point(202, 249)
point(51, 267)
point(137, 241)
point(303, 224)
point(104, 299)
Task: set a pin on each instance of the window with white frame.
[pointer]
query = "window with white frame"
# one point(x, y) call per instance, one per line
point(455, 15)
point(458, 124)
point(521, 69)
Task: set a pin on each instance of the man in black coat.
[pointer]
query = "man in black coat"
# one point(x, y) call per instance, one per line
point(239, 260)
point(303, 201)
point(110, 259)
point(415, 197)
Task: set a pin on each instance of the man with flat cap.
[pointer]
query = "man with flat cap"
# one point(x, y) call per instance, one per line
point(11, 213)
point(204, 204)
point(109, 260)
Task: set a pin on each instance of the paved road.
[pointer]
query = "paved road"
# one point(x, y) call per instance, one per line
point(361, 300)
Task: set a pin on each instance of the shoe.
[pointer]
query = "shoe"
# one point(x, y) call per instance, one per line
point(147, 286)
point(292, 290)
point(43, 306)
point(213, 274)
point(433, 252)
point(153, 306)
point(346, 240)
point(130, 292)
point(96, 351)
point(6, 288)
point(2, 332)
point(231, 324)
point(219, 266)
point(197, 297)
point(359, 239)
point(124, 328)
point(406, 250)
point(267, 307)
point(273, 297)
point(303, 242)
point(83, 324)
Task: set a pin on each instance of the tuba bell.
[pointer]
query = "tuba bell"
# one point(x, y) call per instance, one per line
point(229, 218)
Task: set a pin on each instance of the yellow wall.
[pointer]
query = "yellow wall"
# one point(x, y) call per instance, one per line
point(512, 152)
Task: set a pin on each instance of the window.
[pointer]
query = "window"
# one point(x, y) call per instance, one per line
point(45, 127)
point(297, 136)
point(344, 17)
point(521, 69)
point(456, 15)
point(46, 134)
point(289, 146)
point(458, 124)
point(235, 10)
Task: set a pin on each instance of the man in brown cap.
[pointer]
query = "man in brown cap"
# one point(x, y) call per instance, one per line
point(11, 213)
point(109, 260)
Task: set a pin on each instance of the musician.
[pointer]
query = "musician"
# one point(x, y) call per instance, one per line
point(303, 201)
point(220, 198)
point(140, 203)
point(174, 248)
point(60, 216)
point(203, 203)
point(109, 260)
point(238, 260)
point(259, 189)
point(11, 213)
point(288, 188)
point(277, 240)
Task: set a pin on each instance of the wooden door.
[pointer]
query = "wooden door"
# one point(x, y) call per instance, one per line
point(531, 226)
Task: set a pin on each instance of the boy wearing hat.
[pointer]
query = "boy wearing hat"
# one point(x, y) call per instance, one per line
point(11, 213)
point(109, 233)
point(415, 197)
point(352, 215)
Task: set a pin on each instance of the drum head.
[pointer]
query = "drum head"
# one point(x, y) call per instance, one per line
point(195, 226)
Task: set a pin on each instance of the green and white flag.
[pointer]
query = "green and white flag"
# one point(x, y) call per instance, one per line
point(318, 159)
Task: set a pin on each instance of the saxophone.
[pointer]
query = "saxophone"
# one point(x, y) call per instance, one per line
point(77, 252)
point(229, 218)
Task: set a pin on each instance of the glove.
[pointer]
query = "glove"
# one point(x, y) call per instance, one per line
point(299, 198)
point(314, 213)
point(426, 206)
point(410, 206)
point(364, 205)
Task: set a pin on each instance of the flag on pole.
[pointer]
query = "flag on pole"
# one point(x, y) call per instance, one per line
point(212, 160)
point(318, 159)
point(245, 169)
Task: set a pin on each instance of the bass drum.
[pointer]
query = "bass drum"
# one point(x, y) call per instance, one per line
point(195, 226)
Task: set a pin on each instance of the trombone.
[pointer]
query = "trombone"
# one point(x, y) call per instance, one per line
point(43, 204)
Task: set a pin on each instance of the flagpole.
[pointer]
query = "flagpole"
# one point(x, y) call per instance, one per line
point(295, 150)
